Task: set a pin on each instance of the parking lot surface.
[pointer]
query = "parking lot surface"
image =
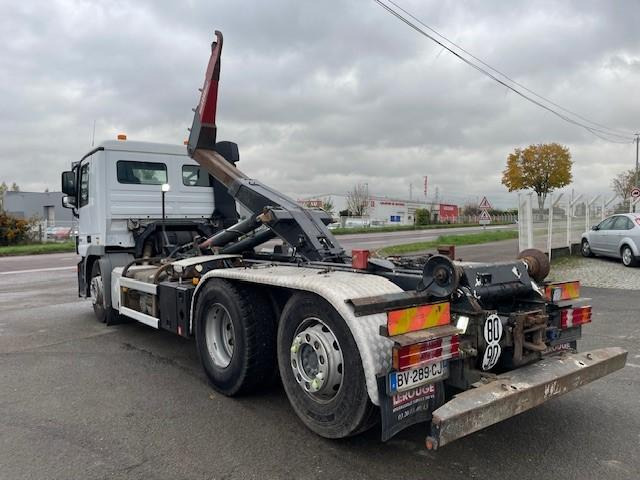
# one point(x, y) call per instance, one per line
point(80, 400)
point(598, 272)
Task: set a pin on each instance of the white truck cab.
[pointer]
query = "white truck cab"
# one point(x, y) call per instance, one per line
point(116, 191)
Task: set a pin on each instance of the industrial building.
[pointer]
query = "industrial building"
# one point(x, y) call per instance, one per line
point(387, 211)
point(43, 205)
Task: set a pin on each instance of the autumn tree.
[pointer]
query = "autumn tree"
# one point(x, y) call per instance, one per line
point(542, 168)
point(623, 183)
point(358, 200)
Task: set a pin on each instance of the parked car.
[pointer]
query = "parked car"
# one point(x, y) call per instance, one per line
point(617, 236)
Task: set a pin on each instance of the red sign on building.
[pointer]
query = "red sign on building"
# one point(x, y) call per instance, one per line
point(448, 213)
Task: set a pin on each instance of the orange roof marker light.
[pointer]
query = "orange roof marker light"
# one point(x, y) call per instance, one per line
point(121, 137)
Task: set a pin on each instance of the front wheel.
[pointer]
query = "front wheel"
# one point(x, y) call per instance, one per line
point(586, 249)
point(628, 259)
point(103, 313)
point(321, 369)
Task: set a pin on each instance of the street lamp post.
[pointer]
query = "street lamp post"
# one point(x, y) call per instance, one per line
point(165, 188)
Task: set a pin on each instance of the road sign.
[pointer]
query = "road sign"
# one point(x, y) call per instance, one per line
point(485, 218)
point(484, 204)
point(635, 192)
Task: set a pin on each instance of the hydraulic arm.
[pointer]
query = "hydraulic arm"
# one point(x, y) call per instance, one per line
point(305, 230)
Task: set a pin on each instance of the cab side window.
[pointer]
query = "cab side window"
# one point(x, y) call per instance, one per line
point(84, 185)
point(195, 176)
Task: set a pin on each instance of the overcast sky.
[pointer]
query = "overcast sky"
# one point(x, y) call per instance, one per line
point(321, 95)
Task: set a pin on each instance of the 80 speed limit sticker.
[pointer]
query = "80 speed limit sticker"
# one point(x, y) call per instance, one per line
point(492, 335)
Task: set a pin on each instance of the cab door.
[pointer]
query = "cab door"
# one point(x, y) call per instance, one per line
point(598, 238)
point(620, 229)
point(88, 228)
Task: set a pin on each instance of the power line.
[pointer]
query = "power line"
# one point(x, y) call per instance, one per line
point(623, 134)
point(598, 132)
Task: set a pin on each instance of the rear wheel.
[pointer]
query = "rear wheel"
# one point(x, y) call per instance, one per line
point(321, 369)
point(236, 337)
point(628, 259)
point(586, 249)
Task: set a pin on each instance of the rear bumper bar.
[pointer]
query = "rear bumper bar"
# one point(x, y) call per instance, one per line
point(514, 392)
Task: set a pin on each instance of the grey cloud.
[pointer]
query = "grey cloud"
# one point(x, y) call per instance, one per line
point(320, 95)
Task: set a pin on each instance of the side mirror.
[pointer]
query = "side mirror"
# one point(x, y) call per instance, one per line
point(595, 227)
point(69, 202)
point(69, 183)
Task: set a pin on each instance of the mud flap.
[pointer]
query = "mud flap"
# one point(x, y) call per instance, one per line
point(514, 392)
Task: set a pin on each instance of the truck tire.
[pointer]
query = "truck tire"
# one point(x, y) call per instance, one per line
point(321, 369)
point(103, 313)
point(235, 332)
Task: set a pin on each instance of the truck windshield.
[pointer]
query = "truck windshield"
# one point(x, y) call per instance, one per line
point(144, 173)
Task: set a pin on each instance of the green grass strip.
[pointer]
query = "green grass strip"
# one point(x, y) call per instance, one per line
point(402, 228)
point(468, 239)
point(37, 248)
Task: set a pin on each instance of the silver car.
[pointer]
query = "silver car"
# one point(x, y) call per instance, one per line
point(617, 236)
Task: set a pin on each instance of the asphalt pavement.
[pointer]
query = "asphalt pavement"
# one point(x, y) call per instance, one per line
point(79, 400)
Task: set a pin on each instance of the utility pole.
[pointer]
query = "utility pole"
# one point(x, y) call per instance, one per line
point(635, 184)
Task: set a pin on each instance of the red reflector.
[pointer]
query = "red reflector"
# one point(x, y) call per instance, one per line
point(572, 317)
point(411, 356)
point(360, 259)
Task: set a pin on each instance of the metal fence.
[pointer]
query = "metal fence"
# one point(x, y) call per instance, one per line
point(353, 222)
point(58, 231)
point(562, 222)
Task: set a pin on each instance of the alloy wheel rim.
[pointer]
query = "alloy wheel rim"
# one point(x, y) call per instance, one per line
point(219, 335)
point(96, 289)
point(316, 360)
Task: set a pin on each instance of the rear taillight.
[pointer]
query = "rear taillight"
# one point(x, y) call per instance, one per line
point(417, 354)
point(572, 317)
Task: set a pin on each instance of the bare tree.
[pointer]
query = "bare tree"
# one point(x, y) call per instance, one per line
point(358, 200)
point(3, 189)
point(327, 205)
point(470, 209)
point(622, 184)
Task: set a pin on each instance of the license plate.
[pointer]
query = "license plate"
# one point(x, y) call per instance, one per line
point(408, 379)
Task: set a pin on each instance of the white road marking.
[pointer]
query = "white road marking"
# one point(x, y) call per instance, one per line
point(36, 270)
point(632, 365)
